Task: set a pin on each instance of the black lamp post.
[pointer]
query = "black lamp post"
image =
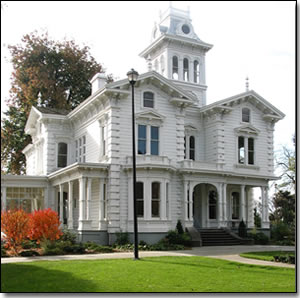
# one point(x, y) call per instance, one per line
point(132, 77)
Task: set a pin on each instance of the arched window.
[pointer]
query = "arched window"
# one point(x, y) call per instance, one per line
point(148, 99)
point(196, 71)
point(235, 205)
point(140, 199)
point(62, 155)
point(245, 115)
point(185, 69)
point(192, 147)
point(175, 68)
point(155, 196)
point(212, 204)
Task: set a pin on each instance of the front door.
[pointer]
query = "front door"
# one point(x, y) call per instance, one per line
point(65, 206)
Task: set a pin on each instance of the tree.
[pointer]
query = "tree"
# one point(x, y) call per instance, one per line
point(56, 73)
point(15, 224)
point(287, 165)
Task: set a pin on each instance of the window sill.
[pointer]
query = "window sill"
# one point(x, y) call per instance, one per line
point(250, 167)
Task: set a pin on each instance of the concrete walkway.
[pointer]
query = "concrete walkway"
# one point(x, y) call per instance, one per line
point(230, 253)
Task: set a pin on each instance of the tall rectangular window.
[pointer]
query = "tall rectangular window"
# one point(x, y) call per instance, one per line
point(241, 148)
point(62, 155)
point(155, 199)
point(251, 151)
point(80, 146)
point(103, 143)
point(192, 147)
point(235, 205)
point(142, 139)
point(140, 199)
point(154, 140)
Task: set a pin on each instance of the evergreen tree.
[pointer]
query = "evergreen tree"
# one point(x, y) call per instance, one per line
point(56, 73)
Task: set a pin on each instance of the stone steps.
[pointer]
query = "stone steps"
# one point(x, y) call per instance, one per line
point(218, 237)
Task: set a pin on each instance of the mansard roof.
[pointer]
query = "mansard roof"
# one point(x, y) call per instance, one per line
point(225, 105)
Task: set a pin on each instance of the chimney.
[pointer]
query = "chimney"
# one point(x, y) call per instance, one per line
point(98, 82)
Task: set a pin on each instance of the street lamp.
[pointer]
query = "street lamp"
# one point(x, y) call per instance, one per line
point(132, 77)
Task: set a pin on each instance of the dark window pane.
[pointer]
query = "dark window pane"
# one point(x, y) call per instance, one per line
point(148, 100)
point(141, 147)
point(235, 205)
point(140, 208)
point(154, 147)
point(140, 190)
point(62, 161)
point(241, 150)
point(251, 158)
point(155, 208)
point(245, 115)
point(62, 148)
point(212, 204)
point(142, 132)
point(155, 190)
point(251, 144)
point(192, 154)
point(154, 133)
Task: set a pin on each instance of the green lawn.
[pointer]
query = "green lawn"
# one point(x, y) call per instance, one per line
point(266, 255)
point(159, 274)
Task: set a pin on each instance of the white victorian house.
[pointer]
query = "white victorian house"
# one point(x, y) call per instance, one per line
point(196, 163)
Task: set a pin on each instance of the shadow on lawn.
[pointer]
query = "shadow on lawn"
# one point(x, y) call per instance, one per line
point(30, 278)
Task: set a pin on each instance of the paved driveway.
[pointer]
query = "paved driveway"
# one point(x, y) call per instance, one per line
point(230, 253)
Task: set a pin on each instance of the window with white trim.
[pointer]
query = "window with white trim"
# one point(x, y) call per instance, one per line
point(245, 115)
point(196, 71)
point(186, 69)
point(189, 147)
point(148, 99)
point(155, 199)
point(140, 199)
point(80, 149)
point(62, 155)
point(148, 143)
point(246, 153)
point(175, 68)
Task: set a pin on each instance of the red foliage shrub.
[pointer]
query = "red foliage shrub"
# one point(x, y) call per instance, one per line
point(15, 224)
point(45, 224)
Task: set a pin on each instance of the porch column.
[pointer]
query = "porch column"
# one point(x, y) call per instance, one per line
point(185, 200)
point(265, 211)
point(61, 203)
point(191, 201)
point(250, 208)
point(225, 204)
point(70, 201)
point(220, 204)
point(3, 198)
point(88, 198)
point(101, 203)
point(81, 200)
point(243, 214)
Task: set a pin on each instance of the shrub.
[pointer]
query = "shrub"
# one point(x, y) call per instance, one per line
point(51, 247)
point(67, 235)
point(280, 231)
point(242, 231)
point(261, 238)
point(16, 226)
point(122, 238)
point(175, 238)
point(45, 225)
point(29, 253)
point(28, 244)
point(3, 252)
point(98, 248)
point(179, 227)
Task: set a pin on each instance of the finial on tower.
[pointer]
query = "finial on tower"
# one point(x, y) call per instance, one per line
point(247, 84)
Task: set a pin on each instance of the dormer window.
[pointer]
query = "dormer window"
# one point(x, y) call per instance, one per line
point(148, 98)
point(185, 69)
point(196, 71)
point(245, 115)
point(175, 68)
point(62, 155)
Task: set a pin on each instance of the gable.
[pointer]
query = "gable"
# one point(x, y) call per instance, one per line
point(270, 112)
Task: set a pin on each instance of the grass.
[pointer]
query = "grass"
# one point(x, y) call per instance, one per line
point(159, 274)
point(266, 255)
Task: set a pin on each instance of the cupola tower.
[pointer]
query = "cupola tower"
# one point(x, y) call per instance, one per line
point(177, 53)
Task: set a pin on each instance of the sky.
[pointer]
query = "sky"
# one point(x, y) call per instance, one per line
point(254, 39)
